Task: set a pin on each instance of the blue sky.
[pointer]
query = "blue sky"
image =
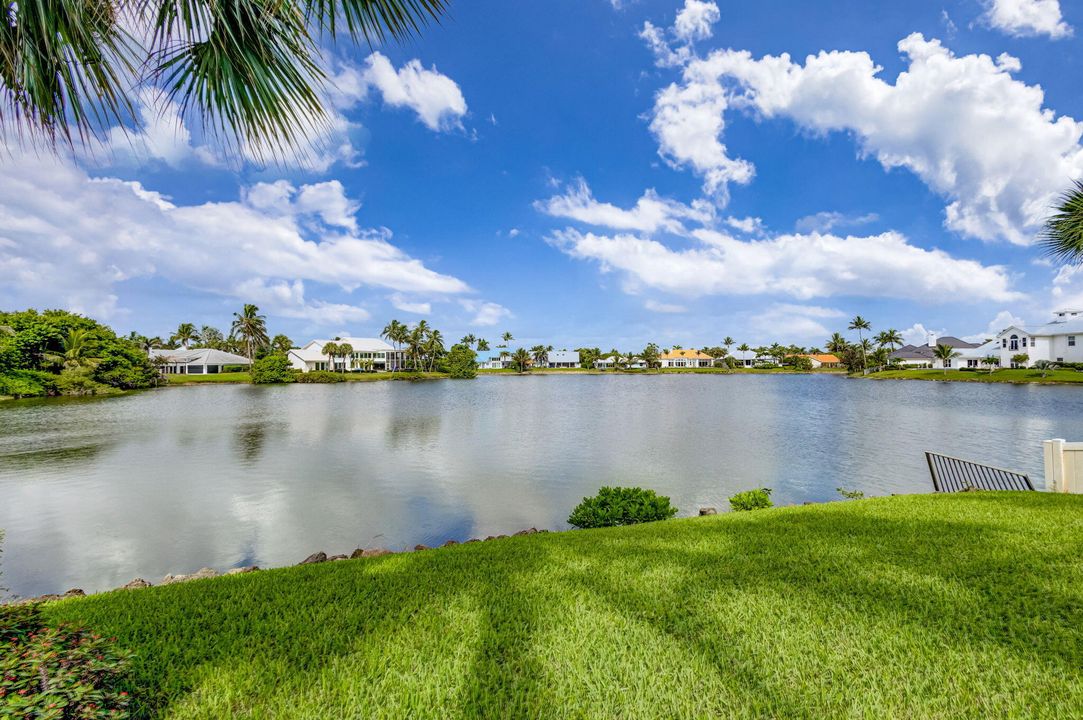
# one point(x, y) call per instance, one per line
point(600, 173)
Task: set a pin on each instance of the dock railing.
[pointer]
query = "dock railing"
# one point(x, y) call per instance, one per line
point(1063, 466)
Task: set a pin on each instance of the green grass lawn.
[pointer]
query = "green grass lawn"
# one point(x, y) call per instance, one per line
point(244, 377)
point(1007, 375)
point(949, 606)
point(232, 377)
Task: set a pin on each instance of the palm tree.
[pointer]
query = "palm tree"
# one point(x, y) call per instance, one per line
point(434, 347)
point(520, 360)
point(837, 343)
point(345, 350)
point(397, 334)
point(1062, 236)
point(76, 346)
point(859, 323)
point(890, 338)
point(250, 71)
point(281, 344)
point(651, 356)
point(507, 338)
point(945, 353)
point(728, 341)
point(483, 345)
point(250, 327)
point(330, 349)
point(540, 355)
point(186, 333)
point(468, 340)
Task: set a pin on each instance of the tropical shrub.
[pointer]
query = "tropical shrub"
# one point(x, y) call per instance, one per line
point(850, 494)
point(751, 500)
point(27, 383)
point(55, 673)
point(274, 368)
point(621, 506)
point(233, 368)
point(461, 362)
point(318, 376)
point(802, 363)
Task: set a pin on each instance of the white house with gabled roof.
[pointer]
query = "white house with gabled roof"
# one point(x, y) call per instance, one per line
point(197, 361)
point(370, 353)
point(1060, 340)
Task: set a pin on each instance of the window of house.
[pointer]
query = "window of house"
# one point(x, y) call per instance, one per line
point(1071, 341)
point(1024, 342)
point(1004, 343)
point(947, 363)
point(1014, 344)
point(1060, 359)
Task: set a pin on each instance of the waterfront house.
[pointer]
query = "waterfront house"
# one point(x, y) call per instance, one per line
point(564, 359)
point(686, 359)
point(500, 360)
point(923, 356)
point(197, 361)
point(824, 360)
point(610, 361)
point(371, 353)
point(1060, 340)
point(747, 358)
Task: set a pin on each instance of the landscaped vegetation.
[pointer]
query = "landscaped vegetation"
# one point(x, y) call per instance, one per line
point(945, 606)
point(615, 506)
point(1007, 375)
point(56, 352)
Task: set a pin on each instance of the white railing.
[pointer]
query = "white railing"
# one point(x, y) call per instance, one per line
point(1063, 466)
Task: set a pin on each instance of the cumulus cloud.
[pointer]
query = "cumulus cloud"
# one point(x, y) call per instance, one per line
point(401, 302)
point(829, 220)
point(661, 307)
point(435, 97)
point(674, 47)
point(1003, 319)
point(72, 240)
point(964, 125)
point(802, 266)
point(1023, 18)
point(695, 20)
point(797, 322)
point(651, 213)
point(485, 313)
point(918, 334)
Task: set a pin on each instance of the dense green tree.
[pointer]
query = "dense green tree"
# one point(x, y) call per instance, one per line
point(461, 362)
point(211, 337)
point(281, 344)
point(273, 368)
point(520, 360)
point(651, 356)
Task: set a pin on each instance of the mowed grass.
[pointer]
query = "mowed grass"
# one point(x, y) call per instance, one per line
point(244, 377)
point(1007, 375)
point(959, 606)
point(231, 377)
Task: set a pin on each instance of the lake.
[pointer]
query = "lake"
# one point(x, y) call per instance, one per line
point(97, 491)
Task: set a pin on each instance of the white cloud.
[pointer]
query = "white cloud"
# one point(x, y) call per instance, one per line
point(1004, 319)
point(401, 302)
point(661, 307)
point(964, 125)
point(436, 98)
point(1023, 18)
point(796, 323)
point(748, 225)
point(485, 313)
point(918, 334)
point(514, 232)
point(58, 246)
point(827, 221)
point(695, 19)
point(651, 212)
point(802, 266)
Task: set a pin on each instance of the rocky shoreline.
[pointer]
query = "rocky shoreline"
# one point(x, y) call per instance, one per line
point(206, 572)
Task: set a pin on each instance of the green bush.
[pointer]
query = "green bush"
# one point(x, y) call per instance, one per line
point(802, 363)
point(751, 500)
point(234, 368)
point(80, 381)
point(621, 506)
point(27, 383)
point(318, 376)
point(274, 368)
point(461, 362)
point(54, 673)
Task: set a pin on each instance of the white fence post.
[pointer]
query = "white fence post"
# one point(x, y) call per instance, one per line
point(1063, 466)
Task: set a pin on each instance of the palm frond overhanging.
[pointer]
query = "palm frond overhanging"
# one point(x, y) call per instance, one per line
point(250, 71)
point(1062, 236)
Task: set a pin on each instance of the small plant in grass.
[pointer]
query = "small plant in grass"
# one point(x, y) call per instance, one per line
point(850, 494)
point(752, 499)
point(56, 673)
point(621, 506)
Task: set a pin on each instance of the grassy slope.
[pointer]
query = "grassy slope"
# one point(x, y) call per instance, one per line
point(244, 377)
point(923, 606)
point(1007, 375)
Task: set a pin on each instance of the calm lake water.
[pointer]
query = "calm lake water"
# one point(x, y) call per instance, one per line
point(95, 492)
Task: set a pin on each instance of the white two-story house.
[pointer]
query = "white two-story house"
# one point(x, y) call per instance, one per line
point(368, 354)
point(1060, 340)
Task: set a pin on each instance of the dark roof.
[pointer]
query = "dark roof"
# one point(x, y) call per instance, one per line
point(925, 352)
point(955, 342)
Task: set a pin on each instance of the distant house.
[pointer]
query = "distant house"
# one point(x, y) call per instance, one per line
point(686, 359)
point(923, 356)
point(371, 353)
point(1060, 340)
point(747, 358)
point(610, 361)
point(824, 360)
point(500, 360)
point(198, 361)
point(564, 359)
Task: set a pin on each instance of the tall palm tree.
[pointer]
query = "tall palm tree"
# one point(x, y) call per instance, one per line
point(345, 350)
point(397, 334)
point(185, 333)
point(728, 341)
point(1062, 236)
point(520, 360)
point(468, 340)
point(540, 355)
point(859, 323)
point(330, 349)
point(945, 353)
point(483, 345)
point(836, 344)
point(251, 328)
point(507, 338)
point(281, 344)
point(434, 347)
point(249, 71)
point(76, 346)
point(889, 338)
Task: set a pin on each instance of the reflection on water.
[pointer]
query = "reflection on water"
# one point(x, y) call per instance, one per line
point(94, 493)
